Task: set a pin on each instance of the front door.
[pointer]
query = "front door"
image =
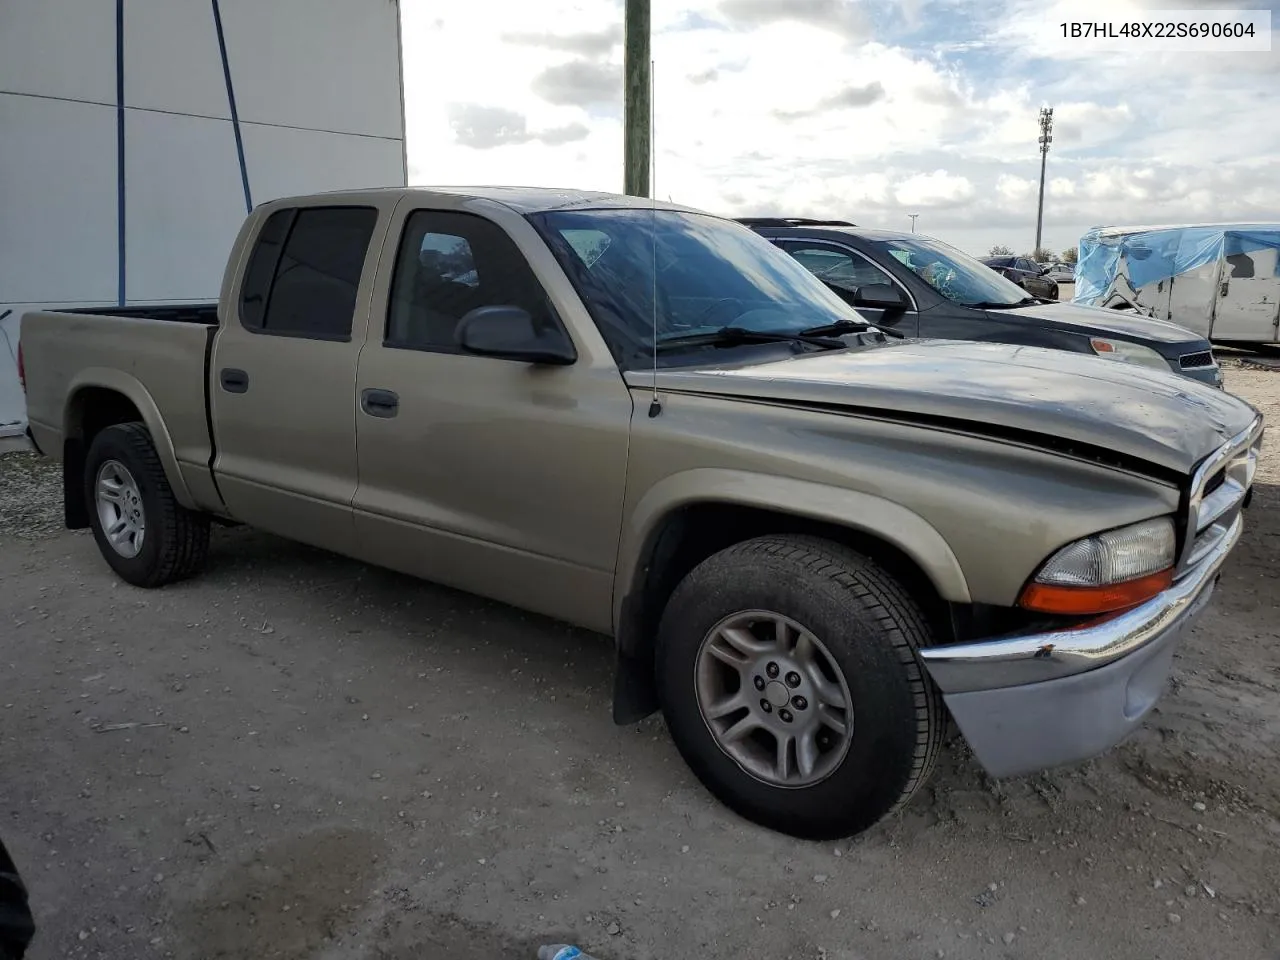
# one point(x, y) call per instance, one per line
point(498, 477)
point(845, 270)
point(283, 373)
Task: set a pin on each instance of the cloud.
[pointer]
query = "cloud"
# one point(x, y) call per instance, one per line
point(1015, 189)
point(484, 128)
point(569, 133)
point(940, 95)
point(850, 97)
point(936, 189)
point(1074, 122)
point(580, 83)
point(911, 11)
point(588, 43)
point(842, 17)
point(1061, 187)
point(856, 96)
point(949, 133)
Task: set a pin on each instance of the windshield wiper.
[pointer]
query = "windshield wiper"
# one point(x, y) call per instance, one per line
point(988, 305)
point(841, 327)
point(733, 336)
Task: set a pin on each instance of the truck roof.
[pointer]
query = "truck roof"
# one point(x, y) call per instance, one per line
point(521, 199)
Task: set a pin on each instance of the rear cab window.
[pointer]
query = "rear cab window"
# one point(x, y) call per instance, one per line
point(305, 270)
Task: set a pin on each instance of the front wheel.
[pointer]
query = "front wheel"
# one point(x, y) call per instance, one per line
point(789, 679)
point(143, 533)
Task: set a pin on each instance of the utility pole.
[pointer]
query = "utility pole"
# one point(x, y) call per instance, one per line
point(1046, 138)
point(637, 98)
point(913, 221)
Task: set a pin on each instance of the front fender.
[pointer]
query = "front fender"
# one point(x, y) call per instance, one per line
point(848, 508)
point(106, 378)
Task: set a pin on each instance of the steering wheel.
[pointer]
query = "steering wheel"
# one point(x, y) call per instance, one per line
point(711, 310)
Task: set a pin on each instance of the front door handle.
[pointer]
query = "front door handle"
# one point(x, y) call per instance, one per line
point(379, 403)
point(233, 380)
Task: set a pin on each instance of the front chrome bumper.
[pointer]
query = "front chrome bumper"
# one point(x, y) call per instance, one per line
point(1033, 701)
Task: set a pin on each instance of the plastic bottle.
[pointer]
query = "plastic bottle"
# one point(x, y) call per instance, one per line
point(562, 951)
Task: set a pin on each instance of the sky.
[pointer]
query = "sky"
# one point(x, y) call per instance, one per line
point(863, 110)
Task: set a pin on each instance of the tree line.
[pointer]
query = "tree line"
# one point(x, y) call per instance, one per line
point(1043, 255)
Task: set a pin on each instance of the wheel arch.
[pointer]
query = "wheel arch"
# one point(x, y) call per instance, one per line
point(690, 516)
point(97, 398)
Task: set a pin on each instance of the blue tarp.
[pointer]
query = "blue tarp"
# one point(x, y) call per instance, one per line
point(1151, 254)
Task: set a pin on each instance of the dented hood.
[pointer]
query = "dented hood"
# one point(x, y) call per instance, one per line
point(1091, 319)
point(1159, 418)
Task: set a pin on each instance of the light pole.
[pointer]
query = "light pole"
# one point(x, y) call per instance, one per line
point(1046, 138)
point(637, 98)
point(913, 221)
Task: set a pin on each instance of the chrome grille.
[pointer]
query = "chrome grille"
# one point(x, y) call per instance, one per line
point(1218, 490)
point(1189, 361)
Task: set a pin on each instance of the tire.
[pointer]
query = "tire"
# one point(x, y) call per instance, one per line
point(173, 541)
point(869, 630)
point(1054, 292)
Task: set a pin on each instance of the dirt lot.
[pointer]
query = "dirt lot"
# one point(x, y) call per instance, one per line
point(297, 756)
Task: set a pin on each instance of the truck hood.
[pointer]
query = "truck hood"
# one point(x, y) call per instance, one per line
point(1098, 320)
point(1050, 398)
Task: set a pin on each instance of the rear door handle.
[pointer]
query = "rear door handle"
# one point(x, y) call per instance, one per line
point(379, 403)
point(233, 380)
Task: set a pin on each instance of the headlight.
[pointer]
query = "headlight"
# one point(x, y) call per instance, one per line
point(1127, 352)
point(1108, 571)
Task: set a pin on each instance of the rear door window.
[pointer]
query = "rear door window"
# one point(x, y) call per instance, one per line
point(305, 270)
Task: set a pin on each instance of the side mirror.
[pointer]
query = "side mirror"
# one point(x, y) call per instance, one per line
point(880, 296)
point(510, 333)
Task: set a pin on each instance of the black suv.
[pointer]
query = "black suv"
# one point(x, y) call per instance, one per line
point(915, 286)
point(1026, 273)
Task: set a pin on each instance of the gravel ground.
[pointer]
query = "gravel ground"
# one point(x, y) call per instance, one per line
point(297, 756)
point(30, 496)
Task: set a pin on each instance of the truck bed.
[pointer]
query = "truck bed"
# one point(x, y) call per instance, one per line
point(201, 313)
point(156, 356)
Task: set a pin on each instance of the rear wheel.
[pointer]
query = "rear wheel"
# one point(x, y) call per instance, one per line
point(789, 679)
point(144, 534)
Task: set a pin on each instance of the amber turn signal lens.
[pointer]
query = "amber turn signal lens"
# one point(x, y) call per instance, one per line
point(1082, 601)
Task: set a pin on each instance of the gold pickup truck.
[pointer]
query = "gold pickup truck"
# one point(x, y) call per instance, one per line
point(812, 544)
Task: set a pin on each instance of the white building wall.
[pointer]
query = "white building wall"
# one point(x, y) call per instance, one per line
point(318, 106)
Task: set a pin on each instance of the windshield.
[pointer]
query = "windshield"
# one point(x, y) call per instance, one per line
point(957, 276)
point(685, 273)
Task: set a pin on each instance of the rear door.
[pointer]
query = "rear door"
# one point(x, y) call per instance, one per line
point(845, 270)
point(1002, 266)
point(1027, 274)
point(1007, 267)
point(284, 369)
point(496, 476)
point(1248, 304)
